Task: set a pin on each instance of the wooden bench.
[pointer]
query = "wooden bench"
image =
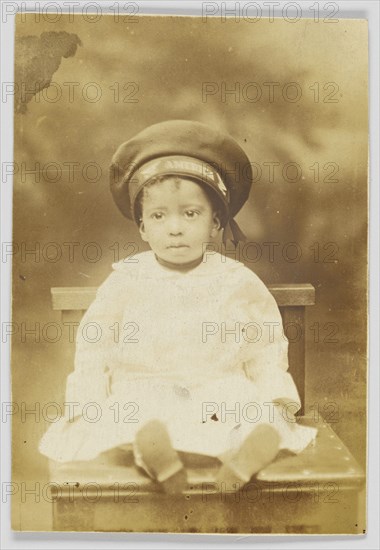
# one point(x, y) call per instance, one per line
point(318, 491)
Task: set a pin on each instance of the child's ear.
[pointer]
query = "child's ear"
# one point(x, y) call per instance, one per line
point(216, 224)
point(142, 231)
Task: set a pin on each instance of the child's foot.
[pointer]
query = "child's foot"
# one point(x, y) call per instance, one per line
point(259, 449)
point(162, 460)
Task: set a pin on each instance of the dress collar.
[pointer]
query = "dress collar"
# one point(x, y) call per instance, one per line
point(146, 265)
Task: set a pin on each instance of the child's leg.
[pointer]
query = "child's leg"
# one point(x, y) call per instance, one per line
point(257, 450)
point(158, 458)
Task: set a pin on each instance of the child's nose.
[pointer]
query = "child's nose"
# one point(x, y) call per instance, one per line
point(175, 225)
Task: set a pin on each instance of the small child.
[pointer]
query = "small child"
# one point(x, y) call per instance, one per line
point(190, 355)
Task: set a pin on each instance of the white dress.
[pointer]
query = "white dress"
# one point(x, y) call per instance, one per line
point(202, 350)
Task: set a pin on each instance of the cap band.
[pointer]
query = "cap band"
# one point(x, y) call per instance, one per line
point(177, 165)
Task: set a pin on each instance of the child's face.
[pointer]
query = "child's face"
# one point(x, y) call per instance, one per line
point(177, 220)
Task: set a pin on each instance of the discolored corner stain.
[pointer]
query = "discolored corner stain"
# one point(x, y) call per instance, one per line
point(36, 60)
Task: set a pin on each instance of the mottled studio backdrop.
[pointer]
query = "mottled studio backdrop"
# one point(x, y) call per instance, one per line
point(288, 93)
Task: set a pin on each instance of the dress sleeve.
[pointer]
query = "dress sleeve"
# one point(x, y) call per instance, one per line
point(265, 354)
point(95, 347)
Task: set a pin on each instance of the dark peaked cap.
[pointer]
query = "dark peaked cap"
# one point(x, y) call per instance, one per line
point(190, 139)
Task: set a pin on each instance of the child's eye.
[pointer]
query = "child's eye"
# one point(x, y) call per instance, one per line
point(191, 214)
point(157, 216)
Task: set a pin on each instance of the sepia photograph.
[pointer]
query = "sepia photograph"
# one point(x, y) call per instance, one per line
point(189, 271)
